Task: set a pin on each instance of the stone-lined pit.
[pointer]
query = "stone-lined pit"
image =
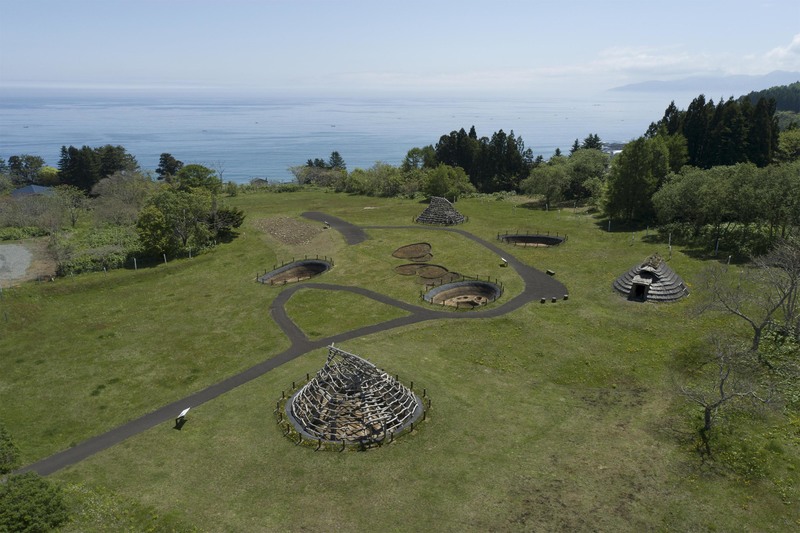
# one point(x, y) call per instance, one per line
point(464, 294)
point(532, 240)
point(296, 271)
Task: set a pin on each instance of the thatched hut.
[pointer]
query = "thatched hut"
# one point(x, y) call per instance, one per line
point(651, 281)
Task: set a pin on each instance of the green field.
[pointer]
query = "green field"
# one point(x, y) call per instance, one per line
point(556, 417)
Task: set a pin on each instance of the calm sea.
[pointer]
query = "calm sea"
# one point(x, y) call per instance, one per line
point(244, 137)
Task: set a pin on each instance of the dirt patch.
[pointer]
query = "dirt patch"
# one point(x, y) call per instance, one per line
point(419, 252)
point(288, 230)
point(25, 261)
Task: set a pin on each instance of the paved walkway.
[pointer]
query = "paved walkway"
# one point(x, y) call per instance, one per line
point(537, 285)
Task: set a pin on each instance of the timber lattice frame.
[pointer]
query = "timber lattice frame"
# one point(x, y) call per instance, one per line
point(353, 401)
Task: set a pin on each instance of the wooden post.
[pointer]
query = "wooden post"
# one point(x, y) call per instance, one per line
point(165, 258)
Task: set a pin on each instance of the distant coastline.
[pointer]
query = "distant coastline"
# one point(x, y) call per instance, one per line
point(247, 136)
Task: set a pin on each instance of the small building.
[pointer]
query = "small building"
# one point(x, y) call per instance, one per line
point(440, 212)
point(32, 190)
point(651, 281)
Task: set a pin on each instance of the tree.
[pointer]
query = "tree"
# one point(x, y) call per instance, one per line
point(765, 295)
point(48, 176)
point(447, 182)
point(592, 142)
point(114, 159)
point(789, 145)
point(551, 180)
point(168, 166)
point(119, 197)
point(224, 220)
point(24, 169)
point(336, 162)
point(586, 166)
point(731, 380)
point(419, 158)
point(154, 233)
point(79, 167)
point(197, 176)
point(175, 220)
point(29, 502)
point(73, 200)
point(9, 453)
point(635, 175)
point(86, 166)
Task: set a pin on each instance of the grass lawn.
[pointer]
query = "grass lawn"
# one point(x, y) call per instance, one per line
point(556, 417)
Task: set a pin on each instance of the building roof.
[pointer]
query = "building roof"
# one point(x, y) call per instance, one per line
point(440, 211)
point(30, 190)
point(651, 281)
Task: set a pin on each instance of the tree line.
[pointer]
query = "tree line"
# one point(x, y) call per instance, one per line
point(104, 209)
point(787, 97)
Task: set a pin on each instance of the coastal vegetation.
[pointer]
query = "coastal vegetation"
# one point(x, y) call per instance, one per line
point(591, 413)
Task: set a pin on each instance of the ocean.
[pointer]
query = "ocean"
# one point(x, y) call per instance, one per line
point(246, 136)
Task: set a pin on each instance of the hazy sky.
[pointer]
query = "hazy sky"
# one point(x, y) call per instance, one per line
point(351, 46)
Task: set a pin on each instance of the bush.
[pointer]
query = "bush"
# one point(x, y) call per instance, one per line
point(30, 503)
point(8, 452)
point(17, 234)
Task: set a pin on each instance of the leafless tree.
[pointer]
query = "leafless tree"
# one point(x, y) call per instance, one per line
point(780, 269)
point(733, 377)
point(120, 196)
point(765, 294)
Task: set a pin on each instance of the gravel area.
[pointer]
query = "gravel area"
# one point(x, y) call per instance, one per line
point(288, 230)
point(14, 261)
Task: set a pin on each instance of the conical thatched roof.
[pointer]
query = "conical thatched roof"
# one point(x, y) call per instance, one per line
point(351, 399)
point(651, 281)
point(441, 212)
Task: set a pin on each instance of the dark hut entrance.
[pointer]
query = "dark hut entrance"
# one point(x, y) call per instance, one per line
point(639, 288)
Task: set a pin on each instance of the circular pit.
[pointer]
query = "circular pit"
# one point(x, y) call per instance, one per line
point(296, 271)
point(532, 240)
point(467, 294)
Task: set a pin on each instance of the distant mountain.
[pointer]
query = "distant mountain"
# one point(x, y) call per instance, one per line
point(714, 86)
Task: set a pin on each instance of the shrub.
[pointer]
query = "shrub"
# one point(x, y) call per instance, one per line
point(16, 234)
point(30, 503)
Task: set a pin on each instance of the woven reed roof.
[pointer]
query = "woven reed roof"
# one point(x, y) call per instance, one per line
point(653, 281)
point(440, 211)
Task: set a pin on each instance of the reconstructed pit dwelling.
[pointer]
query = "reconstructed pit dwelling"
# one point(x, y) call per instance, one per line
point(464, 294)
point(296, 271)
point(651, 281)
point(352, 400)
point(440, 212)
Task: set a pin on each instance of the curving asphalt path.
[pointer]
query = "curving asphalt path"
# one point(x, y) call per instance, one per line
point(537, 285)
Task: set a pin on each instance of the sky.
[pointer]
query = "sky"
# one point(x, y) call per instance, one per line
point(402, 46)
